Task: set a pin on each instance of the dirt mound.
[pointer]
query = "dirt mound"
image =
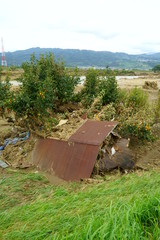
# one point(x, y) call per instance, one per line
point(150, 85)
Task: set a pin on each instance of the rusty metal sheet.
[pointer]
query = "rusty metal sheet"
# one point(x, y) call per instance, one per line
point(68, 161)
point(93, 132)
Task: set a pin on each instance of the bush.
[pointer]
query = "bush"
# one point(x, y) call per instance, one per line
point(136, 125)
point(108, 113)
point(90, 85)
point(5, 95)
point(89, 92)
point(95, 108)
point(137, 98)
point(45, 86)
point(122, 96)
point(108, 90)
point(157, 110)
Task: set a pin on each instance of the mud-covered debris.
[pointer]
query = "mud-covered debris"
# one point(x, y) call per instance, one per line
point(8, 141)
point(93, 149)
point(150, 85)
point(20, 152)
point(23, 165)
point(22, 137)
point(73, 159)
point(62, 122)
point(114, 154)
point(3, 164)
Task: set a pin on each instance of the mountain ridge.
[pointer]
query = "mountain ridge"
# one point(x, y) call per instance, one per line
point(88, 58)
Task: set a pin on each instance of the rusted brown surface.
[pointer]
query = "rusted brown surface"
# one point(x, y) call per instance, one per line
point(68, 161)
point(73, 159)
point(93, 132)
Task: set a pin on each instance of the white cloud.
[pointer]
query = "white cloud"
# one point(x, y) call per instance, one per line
point(111, 25)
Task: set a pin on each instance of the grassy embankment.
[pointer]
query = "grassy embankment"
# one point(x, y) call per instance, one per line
point(126, 207)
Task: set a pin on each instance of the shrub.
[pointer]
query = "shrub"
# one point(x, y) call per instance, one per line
point(97, 104)
point(5, 95)
point(12, 68)
point(108, 90)
point(136, 125)
point(90, 85)
point(45, 86)
point(122, 96)
point(157, 110)
point(137, 98)
point(108, 113)
point(89, 92)
point(95, 108)
point(86, 100)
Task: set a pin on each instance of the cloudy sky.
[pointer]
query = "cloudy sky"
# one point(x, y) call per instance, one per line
point(130, 26)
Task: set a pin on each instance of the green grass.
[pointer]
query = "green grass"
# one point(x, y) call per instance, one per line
point(122, 207)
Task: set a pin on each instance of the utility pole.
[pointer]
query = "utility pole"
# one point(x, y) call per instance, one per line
point(4, 61)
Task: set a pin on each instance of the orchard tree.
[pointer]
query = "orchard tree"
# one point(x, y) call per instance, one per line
point(45, 86)
point(108, 89)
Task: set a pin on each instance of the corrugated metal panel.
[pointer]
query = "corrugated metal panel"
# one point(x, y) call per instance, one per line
point(68, 161)
point(75, 159)
point(93, 132)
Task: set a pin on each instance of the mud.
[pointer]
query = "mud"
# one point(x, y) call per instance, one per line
point(15, 155)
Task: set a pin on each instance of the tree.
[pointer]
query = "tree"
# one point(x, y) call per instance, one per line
point(45, 85)
point(5, 95)
point(108, 89)
point(89, 92)
point(156, 68)
point(90, 85)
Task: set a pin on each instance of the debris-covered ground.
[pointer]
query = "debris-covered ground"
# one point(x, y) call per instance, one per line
point(16, 154)
point(144, 156)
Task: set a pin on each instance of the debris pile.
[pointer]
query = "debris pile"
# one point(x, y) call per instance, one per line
point(114, 153)
point(66, 127)
point(93, 149)
point(22, 137)
point(150, 85)
point(16, 146)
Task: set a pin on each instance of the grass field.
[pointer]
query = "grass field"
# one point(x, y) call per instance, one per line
point(121, 207)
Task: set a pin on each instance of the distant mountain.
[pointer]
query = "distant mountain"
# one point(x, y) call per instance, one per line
point(88, 58)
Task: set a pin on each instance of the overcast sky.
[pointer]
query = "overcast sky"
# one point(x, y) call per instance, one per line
point(131, 26)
